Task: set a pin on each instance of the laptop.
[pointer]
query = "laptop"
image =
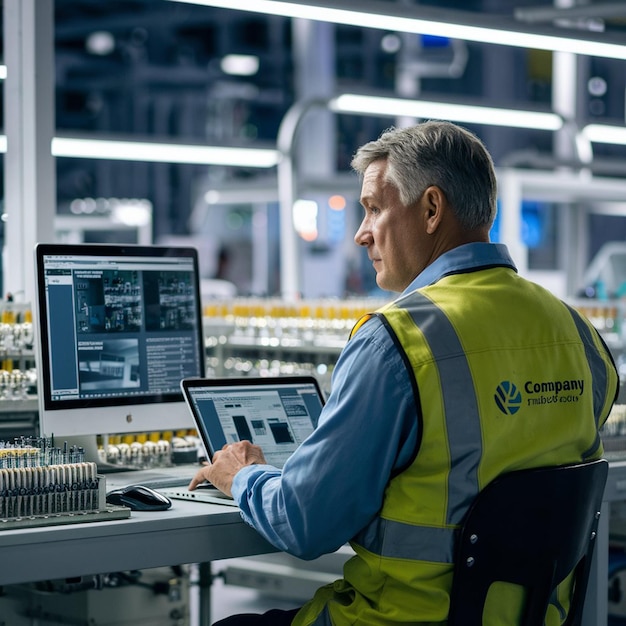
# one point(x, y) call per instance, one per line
point(277, 414)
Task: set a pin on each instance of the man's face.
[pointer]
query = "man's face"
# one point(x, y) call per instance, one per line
point(393, 233)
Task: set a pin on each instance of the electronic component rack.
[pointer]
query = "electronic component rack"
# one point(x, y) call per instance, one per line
point(42, 485)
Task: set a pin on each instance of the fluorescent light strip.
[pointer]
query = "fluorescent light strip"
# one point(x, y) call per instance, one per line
point(240, 64)
point(374, 105)
point(158, 152)
point(437, 27)
point(601, 133)
point(163, 152)
point(347, 103)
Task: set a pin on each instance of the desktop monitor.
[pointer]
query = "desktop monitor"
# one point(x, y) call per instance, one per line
point(118, 327)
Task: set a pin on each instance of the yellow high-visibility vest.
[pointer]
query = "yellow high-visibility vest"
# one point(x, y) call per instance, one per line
point(506, 377)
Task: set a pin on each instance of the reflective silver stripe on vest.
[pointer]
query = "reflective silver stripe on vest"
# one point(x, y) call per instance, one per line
point(462, 418)
point(403, 541)
point(598, 375)
point(399, 540)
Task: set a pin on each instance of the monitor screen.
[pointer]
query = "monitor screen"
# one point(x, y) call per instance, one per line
point(118, 327)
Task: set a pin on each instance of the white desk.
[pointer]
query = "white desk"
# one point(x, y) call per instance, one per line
point(189, 532)
point(193, 532)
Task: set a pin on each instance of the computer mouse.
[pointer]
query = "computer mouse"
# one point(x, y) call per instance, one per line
point(139, 498)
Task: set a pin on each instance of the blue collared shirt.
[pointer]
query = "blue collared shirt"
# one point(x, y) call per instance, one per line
point(333, 485)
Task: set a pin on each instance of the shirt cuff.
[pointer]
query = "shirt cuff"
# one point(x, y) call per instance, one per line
point(245, 478)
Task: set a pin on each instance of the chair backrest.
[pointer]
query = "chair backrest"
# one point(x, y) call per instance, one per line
point(530, 528)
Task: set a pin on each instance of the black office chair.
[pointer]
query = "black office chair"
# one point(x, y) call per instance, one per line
point(530, 528)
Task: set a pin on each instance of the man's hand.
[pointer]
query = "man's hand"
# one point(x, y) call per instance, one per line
point(226, 463)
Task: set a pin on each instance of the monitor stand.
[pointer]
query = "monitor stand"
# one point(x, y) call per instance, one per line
point(89, 443)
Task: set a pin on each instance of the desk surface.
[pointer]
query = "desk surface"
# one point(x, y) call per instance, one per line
point(195, 532)
point(189, 532)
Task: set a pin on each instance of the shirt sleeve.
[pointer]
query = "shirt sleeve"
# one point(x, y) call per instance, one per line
point(333, 485)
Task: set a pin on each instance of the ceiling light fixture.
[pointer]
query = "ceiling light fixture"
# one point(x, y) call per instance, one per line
point(428, 20)
point(605, 133)
point(145, 151)
point(240, 64)
point(162, 152)
point(100, 43)
point(469, 114)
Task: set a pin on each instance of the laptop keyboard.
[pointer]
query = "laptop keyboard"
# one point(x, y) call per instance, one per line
point(162, 482)
point(159, 478)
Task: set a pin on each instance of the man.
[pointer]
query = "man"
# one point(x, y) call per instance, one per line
point(433, 396)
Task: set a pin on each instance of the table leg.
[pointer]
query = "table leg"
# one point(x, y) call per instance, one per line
point(204, 585)
point(596, 602)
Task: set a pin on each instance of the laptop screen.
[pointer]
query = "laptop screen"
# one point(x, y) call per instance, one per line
point(274, 413)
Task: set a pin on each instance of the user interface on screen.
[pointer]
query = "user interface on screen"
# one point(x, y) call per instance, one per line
point(118, 325)
point(276, 414)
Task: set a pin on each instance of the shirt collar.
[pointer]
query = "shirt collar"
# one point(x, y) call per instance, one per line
point(471, 256)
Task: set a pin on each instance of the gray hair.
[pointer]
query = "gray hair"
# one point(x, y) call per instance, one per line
point(441, 154)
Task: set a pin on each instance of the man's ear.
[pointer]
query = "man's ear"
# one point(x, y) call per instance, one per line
point(434, 205)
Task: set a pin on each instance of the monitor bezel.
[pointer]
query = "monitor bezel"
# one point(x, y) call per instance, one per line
point(155, 412)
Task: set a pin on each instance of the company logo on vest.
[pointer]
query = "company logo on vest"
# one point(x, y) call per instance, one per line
point(508, 397)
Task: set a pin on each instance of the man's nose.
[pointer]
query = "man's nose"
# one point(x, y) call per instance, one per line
point(362, 236)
